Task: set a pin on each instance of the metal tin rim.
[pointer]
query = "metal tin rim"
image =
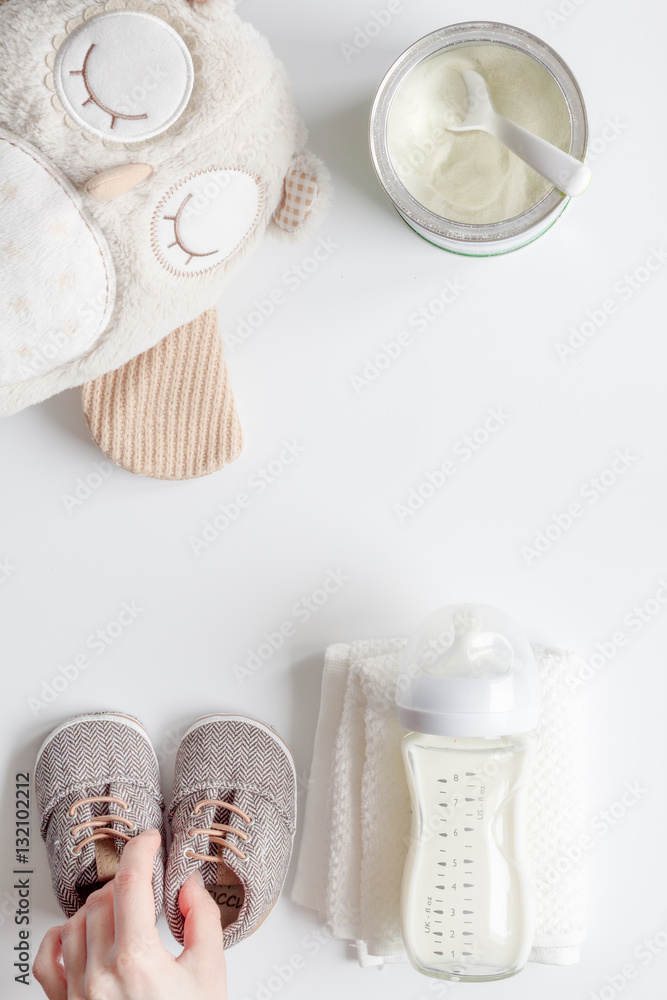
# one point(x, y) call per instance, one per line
point(457, 234)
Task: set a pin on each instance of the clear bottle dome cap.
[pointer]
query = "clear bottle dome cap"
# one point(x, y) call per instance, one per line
point(468, 670)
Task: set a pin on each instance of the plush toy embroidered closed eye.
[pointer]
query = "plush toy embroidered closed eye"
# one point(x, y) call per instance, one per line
point(145, 150)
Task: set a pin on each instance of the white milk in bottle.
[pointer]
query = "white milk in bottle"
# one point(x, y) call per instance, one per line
point(469, 692)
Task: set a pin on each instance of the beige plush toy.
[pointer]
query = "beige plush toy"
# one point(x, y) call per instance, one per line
point(146, 148)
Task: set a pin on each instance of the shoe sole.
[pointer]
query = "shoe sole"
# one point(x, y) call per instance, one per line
point(207, 719)
point(125, 720)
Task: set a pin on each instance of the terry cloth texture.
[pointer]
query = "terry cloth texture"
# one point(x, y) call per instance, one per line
point(357, 820)
point(241, 117)
point(170, 412)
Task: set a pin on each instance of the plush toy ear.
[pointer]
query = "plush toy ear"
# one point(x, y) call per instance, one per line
point(306, 196)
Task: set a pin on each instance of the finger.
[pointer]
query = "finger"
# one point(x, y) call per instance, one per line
point(202, 935)
point(133, 901)
point(99, 927)
point(73, 943)
point(47, 968)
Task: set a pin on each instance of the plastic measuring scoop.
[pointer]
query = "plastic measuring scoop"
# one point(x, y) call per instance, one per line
point(568, 174)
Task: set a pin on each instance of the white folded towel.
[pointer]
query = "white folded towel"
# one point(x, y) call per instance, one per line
point(357, 820)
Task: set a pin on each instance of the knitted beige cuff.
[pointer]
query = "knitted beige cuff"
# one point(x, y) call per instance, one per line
point(169, 413)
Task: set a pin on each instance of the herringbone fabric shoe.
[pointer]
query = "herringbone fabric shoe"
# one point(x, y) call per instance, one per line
point(97, 785)
point(233, 818)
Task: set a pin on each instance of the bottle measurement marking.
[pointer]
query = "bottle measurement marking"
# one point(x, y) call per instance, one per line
point(450, 919)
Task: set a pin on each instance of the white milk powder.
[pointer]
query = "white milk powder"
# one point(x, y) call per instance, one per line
point(470, 176)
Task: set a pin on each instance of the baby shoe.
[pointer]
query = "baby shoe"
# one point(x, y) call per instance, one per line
point(97, 785)
point(232, 818)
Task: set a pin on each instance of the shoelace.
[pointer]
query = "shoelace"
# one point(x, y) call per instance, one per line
point(216, 829)
point(99, 823)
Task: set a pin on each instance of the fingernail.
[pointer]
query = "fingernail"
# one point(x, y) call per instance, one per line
point(199, 879)
point(150, 833)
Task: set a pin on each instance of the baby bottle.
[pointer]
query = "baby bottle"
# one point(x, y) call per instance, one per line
point(468, 691)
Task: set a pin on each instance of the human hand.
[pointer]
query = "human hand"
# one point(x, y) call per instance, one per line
point(111, 949)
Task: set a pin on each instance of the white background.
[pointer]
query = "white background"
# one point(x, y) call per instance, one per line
point(333, 508)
